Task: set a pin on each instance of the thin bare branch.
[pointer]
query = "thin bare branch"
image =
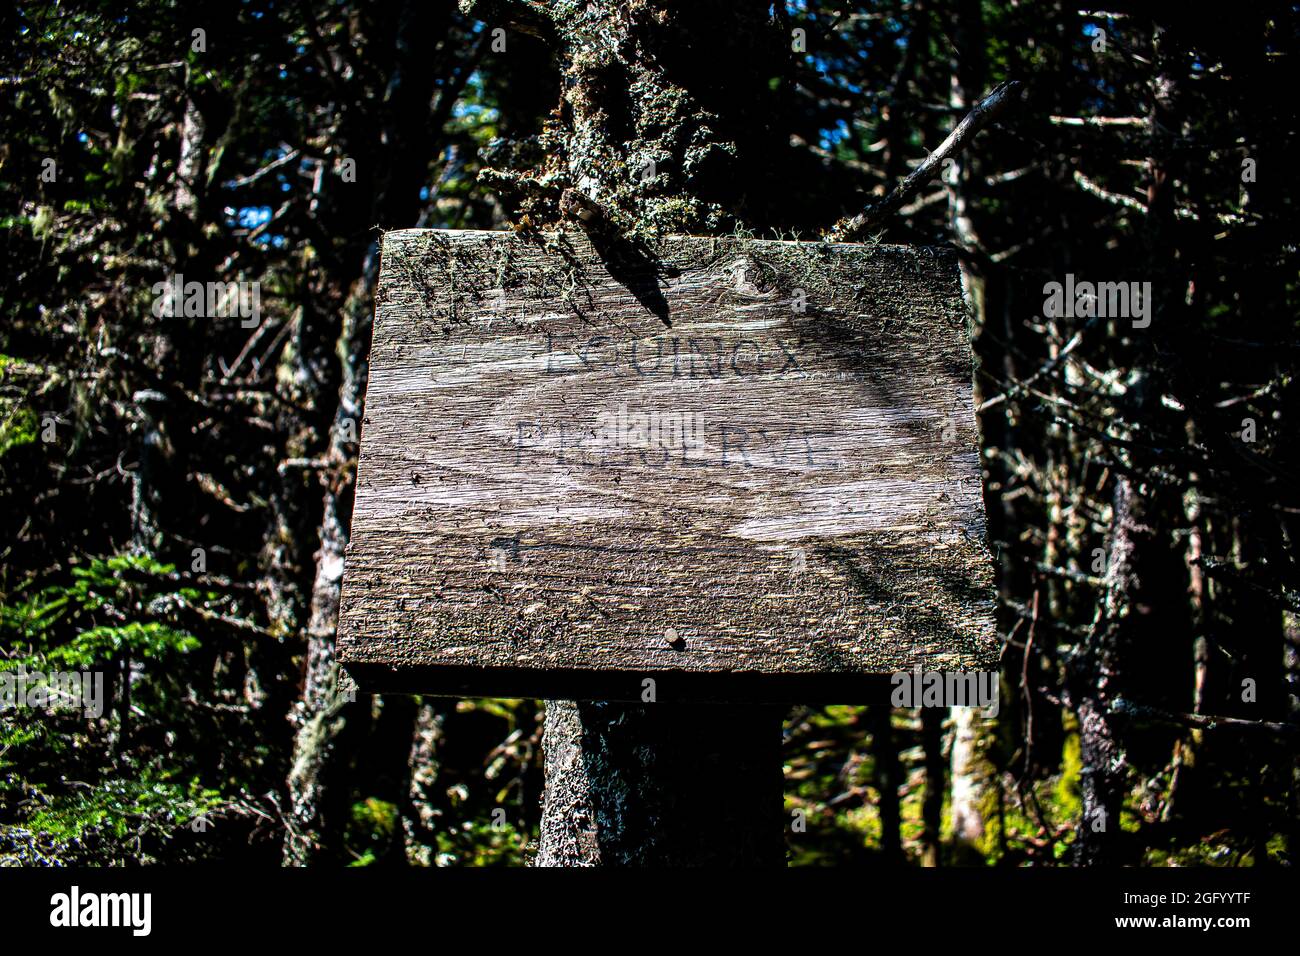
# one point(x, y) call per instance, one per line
point(985, 111)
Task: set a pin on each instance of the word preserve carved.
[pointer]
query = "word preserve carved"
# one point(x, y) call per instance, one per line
point(703, 468)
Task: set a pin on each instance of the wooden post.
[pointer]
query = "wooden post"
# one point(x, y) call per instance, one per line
point(703, 785)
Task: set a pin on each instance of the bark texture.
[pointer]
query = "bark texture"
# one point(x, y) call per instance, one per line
point(661, 784)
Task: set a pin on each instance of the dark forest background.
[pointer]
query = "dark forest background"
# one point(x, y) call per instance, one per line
point(175, 493)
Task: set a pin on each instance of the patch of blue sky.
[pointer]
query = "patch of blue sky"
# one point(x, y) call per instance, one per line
point(830, 138)
point(250, 217)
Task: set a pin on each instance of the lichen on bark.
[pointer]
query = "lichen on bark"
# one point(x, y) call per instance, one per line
point(650, 126)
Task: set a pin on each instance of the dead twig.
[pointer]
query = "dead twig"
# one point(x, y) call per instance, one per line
point(1203, 721)
point(985, 111)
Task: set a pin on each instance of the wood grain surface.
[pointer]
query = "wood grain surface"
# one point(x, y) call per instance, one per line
point(743, 469)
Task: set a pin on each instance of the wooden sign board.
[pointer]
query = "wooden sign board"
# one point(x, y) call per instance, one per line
point(745, 469)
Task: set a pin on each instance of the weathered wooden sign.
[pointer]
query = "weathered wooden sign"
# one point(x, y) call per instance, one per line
point(743, 469)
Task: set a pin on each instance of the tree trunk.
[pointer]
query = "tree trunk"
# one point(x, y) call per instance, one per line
point(661, 784)
point(967, 786)
point(1099, 676)
point(982, 281)
point(887, 779)
point(1291, 660)
point(323, 714)
point(424, 805)
point(654, 138)
point(932, 719)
